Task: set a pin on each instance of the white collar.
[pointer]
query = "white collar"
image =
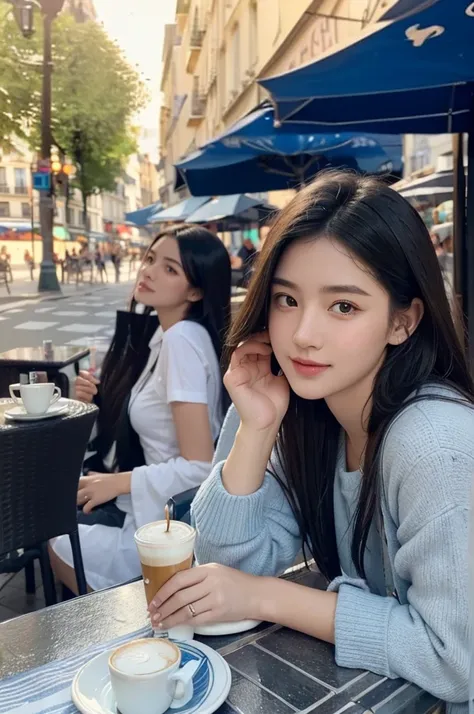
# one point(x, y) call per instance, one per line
point(157, 337)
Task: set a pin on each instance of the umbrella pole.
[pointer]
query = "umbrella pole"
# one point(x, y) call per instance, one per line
point(470, 246)
point(459, 230)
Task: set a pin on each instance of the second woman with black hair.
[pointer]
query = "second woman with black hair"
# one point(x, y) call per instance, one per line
point(353, 437)
point(161, 406)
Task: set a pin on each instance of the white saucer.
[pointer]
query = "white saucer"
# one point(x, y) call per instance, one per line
point(19, 413)
point(92, 692)
point(218, 629)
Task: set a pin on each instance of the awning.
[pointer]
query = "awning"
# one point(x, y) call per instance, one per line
point(437, 186)
point(236, 206)
point(61, 233)
point(254, 156)
point(77, 233)
point(180, 211)
point(414, 75)
point(143, 215)
point(17, 227)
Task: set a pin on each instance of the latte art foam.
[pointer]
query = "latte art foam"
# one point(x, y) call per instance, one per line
point(144, 657)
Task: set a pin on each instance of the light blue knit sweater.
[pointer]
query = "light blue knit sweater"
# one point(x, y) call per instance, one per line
point(427, 469)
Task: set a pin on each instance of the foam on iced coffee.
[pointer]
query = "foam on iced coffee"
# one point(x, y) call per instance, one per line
point(144, 656)
point(157, 547)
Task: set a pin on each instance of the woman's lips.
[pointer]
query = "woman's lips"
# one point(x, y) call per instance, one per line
point(309, 369)
point(144, 288)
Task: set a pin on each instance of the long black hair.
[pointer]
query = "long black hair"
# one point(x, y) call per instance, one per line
point(206, 264)
point(381, 229)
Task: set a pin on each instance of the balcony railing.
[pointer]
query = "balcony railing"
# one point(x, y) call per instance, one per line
point(4, 188)
point(195, 44)
point(196, 38)
point(197, 109)
point(21, 190)
point(198, 105)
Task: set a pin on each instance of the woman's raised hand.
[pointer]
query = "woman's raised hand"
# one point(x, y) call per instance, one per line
point(260, 397)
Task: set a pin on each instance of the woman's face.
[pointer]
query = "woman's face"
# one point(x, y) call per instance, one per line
point(329, 320)
point(162, 282)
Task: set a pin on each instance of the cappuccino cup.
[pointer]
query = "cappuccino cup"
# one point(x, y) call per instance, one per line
point(36, 398)
point(162, 554)
point(146, 677)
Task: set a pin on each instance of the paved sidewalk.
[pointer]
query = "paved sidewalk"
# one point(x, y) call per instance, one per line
point(24, 291)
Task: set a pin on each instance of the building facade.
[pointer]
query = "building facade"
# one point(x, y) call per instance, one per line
point(148, 181)
point(216, 49)
point(16, 186)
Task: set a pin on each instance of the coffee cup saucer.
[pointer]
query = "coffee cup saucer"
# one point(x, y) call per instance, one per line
point(19, 413)
point(92, 693)
point(220, 629)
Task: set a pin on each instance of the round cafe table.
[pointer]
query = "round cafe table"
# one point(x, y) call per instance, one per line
point(35, 359)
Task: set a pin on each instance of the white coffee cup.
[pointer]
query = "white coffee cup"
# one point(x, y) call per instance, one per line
point(36, 398)
point(146, 677)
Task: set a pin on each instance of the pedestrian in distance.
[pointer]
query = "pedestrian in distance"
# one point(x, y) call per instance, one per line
point(100, 266)
point(30, 264)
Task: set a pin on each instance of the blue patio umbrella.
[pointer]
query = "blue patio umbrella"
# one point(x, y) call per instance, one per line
point(222, 207)
point(414, 75)
point(142, 216)
point(180, 211)
point(254, 155)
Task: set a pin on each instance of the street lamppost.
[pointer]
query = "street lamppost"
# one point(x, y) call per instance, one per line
point(23, 10)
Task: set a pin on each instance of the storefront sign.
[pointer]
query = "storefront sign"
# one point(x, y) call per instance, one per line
point(320, 36)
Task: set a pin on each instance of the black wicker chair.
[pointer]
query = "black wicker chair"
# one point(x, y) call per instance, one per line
point(40, 465)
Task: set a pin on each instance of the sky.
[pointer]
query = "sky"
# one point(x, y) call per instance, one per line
point(138, 27)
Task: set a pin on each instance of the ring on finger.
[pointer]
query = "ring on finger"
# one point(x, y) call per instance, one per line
point(192, 610)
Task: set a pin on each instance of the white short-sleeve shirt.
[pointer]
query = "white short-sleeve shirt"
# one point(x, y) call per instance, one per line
point(186, 369)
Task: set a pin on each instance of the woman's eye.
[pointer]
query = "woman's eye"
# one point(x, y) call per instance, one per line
point(170, 270)
point(343, 308)
point(285, 301)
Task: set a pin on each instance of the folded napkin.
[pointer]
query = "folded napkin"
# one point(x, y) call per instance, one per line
point(47, 689)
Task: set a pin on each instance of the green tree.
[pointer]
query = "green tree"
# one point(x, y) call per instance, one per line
point(20, 80)
point(95, 95)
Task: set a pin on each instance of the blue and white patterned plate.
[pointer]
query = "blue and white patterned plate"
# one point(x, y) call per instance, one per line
point(92, 692)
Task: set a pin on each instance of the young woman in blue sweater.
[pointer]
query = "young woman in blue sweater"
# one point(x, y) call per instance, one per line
point(352, 436)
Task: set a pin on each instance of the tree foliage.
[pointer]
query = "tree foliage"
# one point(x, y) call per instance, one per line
point(95, 94)
point(20, 80)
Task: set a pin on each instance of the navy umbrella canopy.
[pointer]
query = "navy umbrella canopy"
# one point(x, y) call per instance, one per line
point(414, 75)
point(180, 211)
point(254, 155)
point(222, 207)
point(143, 215)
